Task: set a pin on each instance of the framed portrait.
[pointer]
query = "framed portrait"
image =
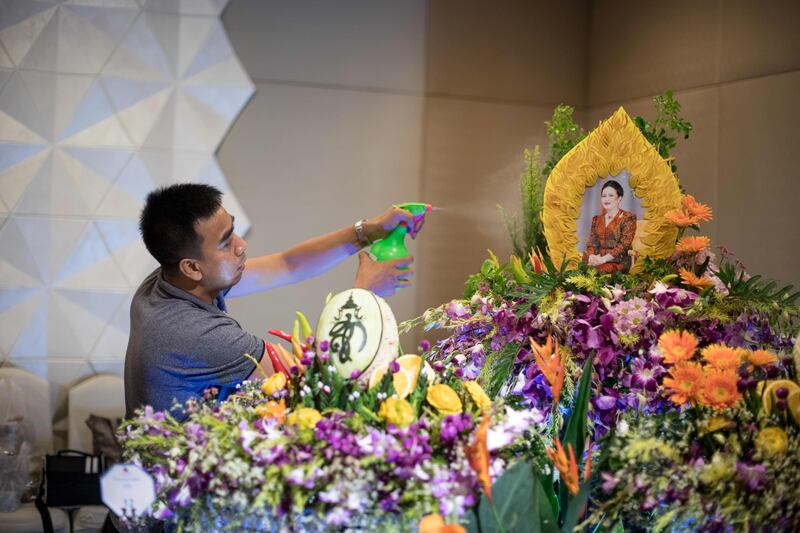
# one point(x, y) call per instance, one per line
point(605, 200)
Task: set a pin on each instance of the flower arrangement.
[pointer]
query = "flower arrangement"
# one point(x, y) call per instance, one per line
point(728, 458)
point(317, 450)
point(688, 356)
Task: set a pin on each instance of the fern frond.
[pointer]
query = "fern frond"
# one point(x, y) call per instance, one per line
point(497, 368)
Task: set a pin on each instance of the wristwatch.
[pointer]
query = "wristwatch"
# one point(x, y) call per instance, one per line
point(360, 233)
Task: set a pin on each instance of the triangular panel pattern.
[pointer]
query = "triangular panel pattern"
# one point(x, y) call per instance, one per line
point(101, 101)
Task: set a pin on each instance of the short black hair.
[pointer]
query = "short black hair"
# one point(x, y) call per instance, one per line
point(614, 184)
point(168, 219)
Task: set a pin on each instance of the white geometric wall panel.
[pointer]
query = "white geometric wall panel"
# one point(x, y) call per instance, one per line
point(101, 101)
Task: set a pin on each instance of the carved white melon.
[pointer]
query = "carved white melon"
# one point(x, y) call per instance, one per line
point(361, 332)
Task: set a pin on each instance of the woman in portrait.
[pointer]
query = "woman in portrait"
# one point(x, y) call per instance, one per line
point(612, 232)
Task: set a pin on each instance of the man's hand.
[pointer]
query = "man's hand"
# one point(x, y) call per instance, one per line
point(379, 227)
point(384, 277)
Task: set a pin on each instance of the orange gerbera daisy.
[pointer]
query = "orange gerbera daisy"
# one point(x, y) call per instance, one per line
point(567, 468)
point(761, 358)
point(677, 346)
point(685, 383)
point(693, 244)
point(722, 357)
point(696, 209)
point(681, 218)
point(691, 279)
point(720, 390)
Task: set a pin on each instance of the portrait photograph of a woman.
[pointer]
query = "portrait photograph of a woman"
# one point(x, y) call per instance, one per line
point(607, 240)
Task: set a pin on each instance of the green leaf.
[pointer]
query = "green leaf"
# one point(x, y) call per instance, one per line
point(575, 507)
point(547, 516)
point(575, 433)
point(472, 522)
point(497, 368)
point(513, 501)
point(576, 427)
point(548, 493)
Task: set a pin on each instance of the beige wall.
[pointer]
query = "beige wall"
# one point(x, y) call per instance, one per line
point(495, 71)
point(735, 67)
point(332, 135)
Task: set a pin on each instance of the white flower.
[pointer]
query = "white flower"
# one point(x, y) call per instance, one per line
point(622, 427)
point(659, 288)
point(296, 476)
point(420, 473)
point(330, 496)
point(354, 502)
point(338, 516)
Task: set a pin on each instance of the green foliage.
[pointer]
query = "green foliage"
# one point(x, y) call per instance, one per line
point(529, 234)
point(755, 288)
point(574, 435)
point(756, 294)
point(498, 367)
point(542, 285)
point(668, 125)
point(586, 279)
point(562, 134)
point(492, 274)
point(515, 507)
point(576, 426)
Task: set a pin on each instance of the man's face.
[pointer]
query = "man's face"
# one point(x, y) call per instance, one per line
point(224, 252)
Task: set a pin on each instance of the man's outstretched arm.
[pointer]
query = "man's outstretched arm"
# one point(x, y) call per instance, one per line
point(319, 254)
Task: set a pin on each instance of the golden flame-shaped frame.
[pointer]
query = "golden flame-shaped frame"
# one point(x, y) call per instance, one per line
point(615, 145)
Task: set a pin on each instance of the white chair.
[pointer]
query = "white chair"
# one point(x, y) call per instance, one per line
point(39, 428)
point(101, 395)
point(36, 405)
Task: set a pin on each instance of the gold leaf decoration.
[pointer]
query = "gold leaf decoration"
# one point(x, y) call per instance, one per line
point(615, 145)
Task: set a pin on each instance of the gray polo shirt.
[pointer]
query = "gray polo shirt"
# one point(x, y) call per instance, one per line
point(180, 345)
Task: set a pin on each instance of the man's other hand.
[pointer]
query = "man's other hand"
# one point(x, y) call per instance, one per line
point(382, 277)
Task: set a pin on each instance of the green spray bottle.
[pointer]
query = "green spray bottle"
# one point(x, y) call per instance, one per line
point(393, 246)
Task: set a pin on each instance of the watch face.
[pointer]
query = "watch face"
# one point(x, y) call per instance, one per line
point(361, 331)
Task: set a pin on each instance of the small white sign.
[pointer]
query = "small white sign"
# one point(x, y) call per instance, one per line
point(128, 490)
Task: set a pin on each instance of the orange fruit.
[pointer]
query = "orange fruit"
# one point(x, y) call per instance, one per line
point(769, 397)
point(405, 379)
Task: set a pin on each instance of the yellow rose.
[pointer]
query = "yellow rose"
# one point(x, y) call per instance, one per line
point(772, 441)
point(396, 411)
point(305, 417)
point(478, 396)
point(275, 383)
point(445, 399)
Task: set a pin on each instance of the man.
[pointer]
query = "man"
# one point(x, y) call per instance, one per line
point(182, 341)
